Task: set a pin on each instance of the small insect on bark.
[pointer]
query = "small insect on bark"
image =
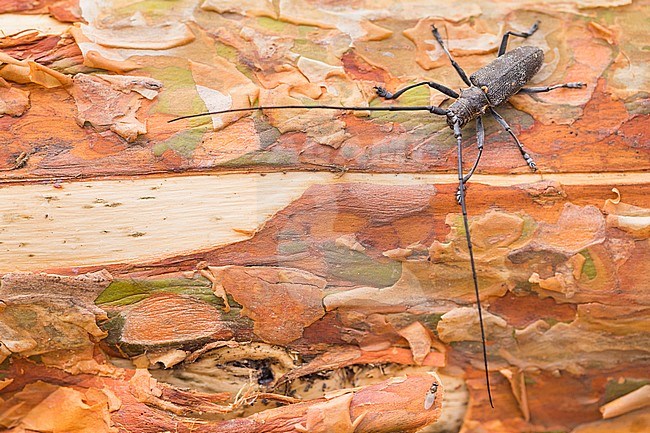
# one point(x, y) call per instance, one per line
point(486, 89)
point(430, 397)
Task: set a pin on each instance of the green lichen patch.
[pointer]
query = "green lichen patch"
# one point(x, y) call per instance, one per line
point(277, 158)
point(183, 142)
point(588, 267)
point(126, 292)
point(617, 388)
point(272, 24)
point(180, 96)
point(357, 267)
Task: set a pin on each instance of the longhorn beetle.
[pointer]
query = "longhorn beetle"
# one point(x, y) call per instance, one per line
point(487, 88)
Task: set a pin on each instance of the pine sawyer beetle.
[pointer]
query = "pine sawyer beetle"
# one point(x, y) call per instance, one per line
point(488, 88)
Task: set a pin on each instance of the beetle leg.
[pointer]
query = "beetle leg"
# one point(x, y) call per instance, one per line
point(461, 200)
point(456, 66)
point(549, 88)
point(439, 87)
point(504, 41)
point(505, 126)
point(480, 139)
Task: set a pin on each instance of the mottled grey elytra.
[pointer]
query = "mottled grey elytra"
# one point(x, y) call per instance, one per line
point(494, 83)
point(507, 74)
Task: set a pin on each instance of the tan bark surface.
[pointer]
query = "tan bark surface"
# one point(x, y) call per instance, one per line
point(306, 271)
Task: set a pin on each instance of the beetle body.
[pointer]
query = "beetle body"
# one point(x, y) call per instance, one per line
point(494, 83)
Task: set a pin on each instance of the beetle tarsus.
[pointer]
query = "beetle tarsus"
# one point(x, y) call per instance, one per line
point(460, 191)
point(383, 93)
point(504, 40)
point(530, 162)
point(520, 146)
point(578, 85)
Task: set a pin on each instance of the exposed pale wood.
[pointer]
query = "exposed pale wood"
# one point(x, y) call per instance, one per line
point(130, 220)
point(14, 23)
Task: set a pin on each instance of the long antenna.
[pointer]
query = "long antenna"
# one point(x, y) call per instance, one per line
point(461, 199)
point(431, 109)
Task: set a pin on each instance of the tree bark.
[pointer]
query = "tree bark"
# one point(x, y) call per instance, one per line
point(307, 270)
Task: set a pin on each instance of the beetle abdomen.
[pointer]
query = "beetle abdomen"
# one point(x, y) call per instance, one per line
point(506, 75)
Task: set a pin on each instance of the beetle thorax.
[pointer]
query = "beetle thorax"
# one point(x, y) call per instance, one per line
point(469, 106)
